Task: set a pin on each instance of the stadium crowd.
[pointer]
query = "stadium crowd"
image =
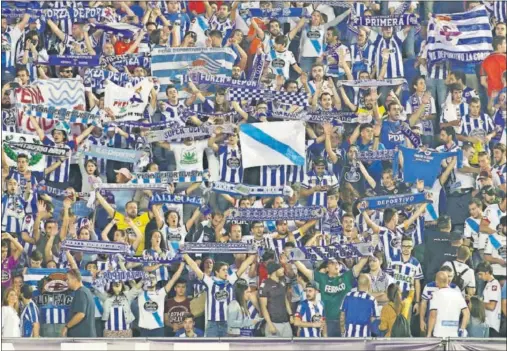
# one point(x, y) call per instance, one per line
point(435, 267)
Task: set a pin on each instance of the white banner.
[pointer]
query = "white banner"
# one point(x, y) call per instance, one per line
point(36, 161)
point(273, 143)
point(127, 104)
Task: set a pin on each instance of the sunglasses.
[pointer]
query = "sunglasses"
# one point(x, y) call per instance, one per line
point(67, 71)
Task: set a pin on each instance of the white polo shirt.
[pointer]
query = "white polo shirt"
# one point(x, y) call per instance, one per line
point(448, 303)
point(493, 292)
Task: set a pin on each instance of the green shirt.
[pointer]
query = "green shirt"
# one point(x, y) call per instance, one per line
point(333, 291)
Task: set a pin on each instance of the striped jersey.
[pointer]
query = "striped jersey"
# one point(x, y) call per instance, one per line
point(174, 238)
point(277, 244)
point(162, 273)
point(61, 174)
point(359, 308)
point(116, 320)
point(478, 127)
point(390, 242)
point(101, 162)
point(29, 316)
point(231, 168)
point(312, 179)
point(10, 47)
point(395, 60)
point(274, 175)
point(437, 70)
point(27, 225)
point(13, 213)
point(362, 58)
point(9, 118)
point(151, 309)
point(405, 273)
point(413, 104)
point(173, 113)
point(218, 297)
point(501, 170)
point(226, 26)
point(311, 312)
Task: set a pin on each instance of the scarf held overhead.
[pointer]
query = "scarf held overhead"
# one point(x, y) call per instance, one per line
point(42, 149)
point(176, 134)
point(62, 114)
point(93, 246)
point(169, 177)
point(252, 190)
point(378, 202)
point(273, 214)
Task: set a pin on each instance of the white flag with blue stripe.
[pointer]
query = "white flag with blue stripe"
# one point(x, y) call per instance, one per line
point(460, 37)
point(272, 143)
point(169, 65)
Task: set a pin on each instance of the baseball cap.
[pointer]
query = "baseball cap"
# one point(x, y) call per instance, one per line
point(273, 267)
point(125, 172)
point(319, 161)
point(484, 174)
point(455, 235)
point(312, 284)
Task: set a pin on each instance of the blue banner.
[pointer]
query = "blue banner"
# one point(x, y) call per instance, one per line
point(378, 202)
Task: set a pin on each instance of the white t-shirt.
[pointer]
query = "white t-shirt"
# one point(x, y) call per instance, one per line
point(468, 276)
point(10, 323)
point(448, 303)
point(280, 62)
point(151, 309)
point(493, 292)
point(189, 157)
point(492, 214)
point(496, 246)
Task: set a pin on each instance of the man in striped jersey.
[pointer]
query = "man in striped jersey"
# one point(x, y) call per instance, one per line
point(310, 317)
point(58, 168)
point(500, 166)
point(219, 292)
point(359, 310)
point(317, 183)
point(392, 43)
point(30, 326)
point(13, 207)
point(10, 46)
point(22, 172)
point(277, 240)
point(224, 19)
point(454, 109)
point(231, 168)
point(476, 127)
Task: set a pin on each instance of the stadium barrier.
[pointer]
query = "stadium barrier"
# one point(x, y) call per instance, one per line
point(246, 344)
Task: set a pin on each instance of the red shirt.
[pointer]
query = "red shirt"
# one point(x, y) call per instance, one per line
point(121, 47)
point(493, 67)
point(262, 272)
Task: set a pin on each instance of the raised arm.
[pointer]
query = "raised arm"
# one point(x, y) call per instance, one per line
point(107, 229)
point(38, 129)
point(245, 264)
point(109, 209)
point(55, 29)
point(305, 271)
point(174, 278)
point(370, 223)
point(193, 266)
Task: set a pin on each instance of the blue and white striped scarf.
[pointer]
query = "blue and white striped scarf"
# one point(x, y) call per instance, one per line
point(169, 177)
point(62, 114)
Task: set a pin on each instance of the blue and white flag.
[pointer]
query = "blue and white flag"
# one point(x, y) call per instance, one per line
point(169, 65)
point(460, 37)
point(120, 62)
point(124, 30)
point(50, 286)
point(273, 143)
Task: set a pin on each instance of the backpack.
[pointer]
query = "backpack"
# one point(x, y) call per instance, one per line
point(401, 327)
point(458, 278)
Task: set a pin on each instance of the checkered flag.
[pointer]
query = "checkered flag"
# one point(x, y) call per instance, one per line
point(299, 99)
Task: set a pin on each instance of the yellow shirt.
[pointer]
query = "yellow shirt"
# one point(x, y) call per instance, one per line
point(381, 111)
point(140, 221)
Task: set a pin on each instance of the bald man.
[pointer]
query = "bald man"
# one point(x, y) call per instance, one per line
point(446, 307)
point(359, 309)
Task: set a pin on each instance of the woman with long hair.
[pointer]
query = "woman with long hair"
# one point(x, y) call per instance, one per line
point(477, 327)
point(90, 174)
point(10, 314)
point(239, 322)
point(156, 249)
point(117, 314)
point(395, 307)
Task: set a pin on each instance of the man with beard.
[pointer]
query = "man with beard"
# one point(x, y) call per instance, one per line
point(274, 30)
point(361, 54)
point(277, 240)
point(22, 172)
point(131, 211)
point(335, 51)
point(317, 183)
point(391, 135)
point(310, 317)
point(333, 287)
point(367, 138)
point(500, 158)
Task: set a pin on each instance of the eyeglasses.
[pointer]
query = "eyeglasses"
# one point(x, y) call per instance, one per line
point(67, 71)
point(406, 246)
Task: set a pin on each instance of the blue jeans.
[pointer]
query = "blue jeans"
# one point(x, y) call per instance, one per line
point(146, 333)
point(438, 90)
point(216, 329)
point(333, 328)
point(306, 63)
